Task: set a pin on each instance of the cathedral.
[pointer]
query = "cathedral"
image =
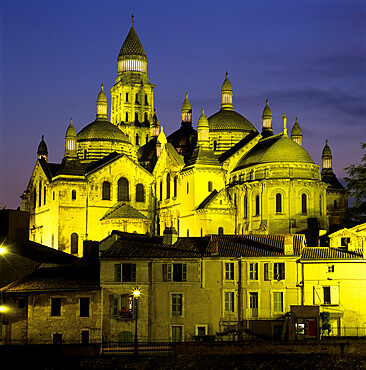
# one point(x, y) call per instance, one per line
point(223, 177)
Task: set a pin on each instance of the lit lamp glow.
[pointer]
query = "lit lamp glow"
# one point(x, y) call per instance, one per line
point(136, 294)
point(2, 250)
point(3, 309)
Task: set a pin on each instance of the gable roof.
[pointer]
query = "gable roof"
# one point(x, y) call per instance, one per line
point(208, 200)
point(328, 253)
point(123, 210)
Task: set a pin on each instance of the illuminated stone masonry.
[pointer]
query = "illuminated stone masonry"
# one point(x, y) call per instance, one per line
point(223, 177)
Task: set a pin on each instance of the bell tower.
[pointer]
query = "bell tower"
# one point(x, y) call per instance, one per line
point(132, 96)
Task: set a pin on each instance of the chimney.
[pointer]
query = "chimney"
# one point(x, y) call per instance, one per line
point(170, 236)
point(288, 245)
point(214, 247)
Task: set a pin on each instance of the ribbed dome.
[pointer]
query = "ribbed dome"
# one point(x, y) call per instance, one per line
point(226, 85)
point(296, 129)
point(101, 131)
point(102, 97)
point(229, 120)
point(275, 149)
point(267, 113)
point(202, 122)
point(42, 147)
point(327, 153)
point(132, 45)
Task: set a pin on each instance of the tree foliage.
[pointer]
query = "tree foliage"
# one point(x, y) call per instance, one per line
point(356, 186)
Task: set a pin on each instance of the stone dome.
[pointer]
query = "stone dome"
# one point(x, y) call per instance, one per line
point(275, 149)
point(102, 130)
point(225, 120)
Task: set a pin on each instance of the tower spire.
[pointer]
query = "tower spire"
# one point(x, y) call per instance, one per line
point(132, 20)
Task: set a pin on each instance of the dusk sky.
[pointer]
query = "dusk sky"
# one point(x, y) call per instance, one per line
point(307, 57)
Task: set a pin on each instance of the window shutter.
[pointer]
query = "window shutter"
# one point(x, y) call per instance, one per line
point(133, 272)
point(276, 302)
point(184, 272)
point(164, 266)
point(115, 307)
point(266, 271)
point(334, 294)
point(169, 271)
point(318, 295)
point(118, 272)
point(270, 271)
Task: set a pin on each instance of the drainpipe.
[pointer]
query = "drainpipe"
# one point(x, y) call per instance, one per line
point(240, 293)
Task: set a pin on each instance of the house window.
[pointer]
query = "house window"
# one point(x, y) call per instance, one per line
point(330, 268)
point(125, 272)
point(106, 191)
point(168, 186)
point(177, 333)
point(137, 139)
point(55, 306)
point(229, 271)
point(253, 304)
point(257, 205)
point(126, 97)
point(137, 98)
point(123, 190)
point(327, 295)
point(74, 243)
point(201, 330)
point(277, 301)
point(210, 186)
point(122, 306)
point(85, 153)
point(136, 117)
point(215, 146)
point(125, 337)
point(274, 271)
point(175, 186)
point(229, 301)
point(335, 204)
point(140, 193)
point(278, 203)
point(85, 336)
point(146, 101)
point(177, 304)
point(84, 307)
point(303, 204)
point(253, 271)
point(57, 338)
point(345, 242)
point(176, 272)
point(73, 195)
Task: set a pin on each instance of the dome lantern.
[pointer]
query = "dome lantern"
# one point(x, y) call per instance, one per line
point(327, 156)
point(70, 141)
point(227, 94)
point(186, 110)
point(203, 131)
point(296, 133)
point(102, 105)
point(42, 151)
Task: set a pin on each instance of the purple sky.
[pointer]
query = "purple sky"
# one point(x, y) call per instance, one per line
point(307, 57)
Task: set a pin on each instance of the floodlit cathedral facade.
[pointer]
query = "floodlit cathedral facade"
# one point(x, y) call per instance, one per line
point(224, 177)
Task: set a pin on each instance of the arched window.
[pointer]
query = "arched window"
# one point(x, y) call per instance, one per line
point(140, 193)
point(175, 186)
point(126, 97)
point(335, 205)
point(146, 138)
point(235, 199)
point(220, 231)
point(303, 204)
point(44, 195)
point(73, 195)
point(146, 101)
point(137, 98)
point(145, 115)
point(126, 116)
point(74, 243)
point(106, 190)
point(137, 139)
point(168, 186)
point(158, 225)
point(210, 186)
point(187, 187)
point(161, 190)
point(136, 117)
point(278, 203)
point(245, 206)
point(257, 204)
point(85, 153)
point(215, 145)
point(40, 194)
point(123, 190)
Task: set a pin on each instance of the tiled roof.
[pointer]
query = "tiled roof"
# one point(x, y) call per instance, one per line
point(56, 278)
point(329, 254)
point(123, 210)
point(97, 164)
point(330, 178)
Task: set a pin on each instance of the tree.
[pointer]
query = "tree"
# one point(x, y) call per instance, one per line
point(356, 186)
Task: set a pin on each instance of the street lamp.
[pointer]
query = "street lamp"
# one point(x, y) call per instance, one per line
point(136, 294)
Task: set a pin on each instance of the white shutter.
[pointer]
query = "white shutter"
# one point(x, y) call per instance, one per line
point(318, 295)
point(334, 294)
point(270, 271)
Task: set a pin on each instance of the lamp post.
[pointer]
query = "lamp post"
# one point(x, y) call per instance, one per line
point(136, 294)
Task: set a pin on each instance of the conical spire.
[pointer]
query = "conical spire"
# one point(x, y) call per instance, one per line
point(132, 55)
point(186, 110)
point(70, 141)
point(296, 133)
point(227, 94)
point(102, 105)
point(203, 131)
point(327, 156)
point(267, 121)
point(42, 151)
